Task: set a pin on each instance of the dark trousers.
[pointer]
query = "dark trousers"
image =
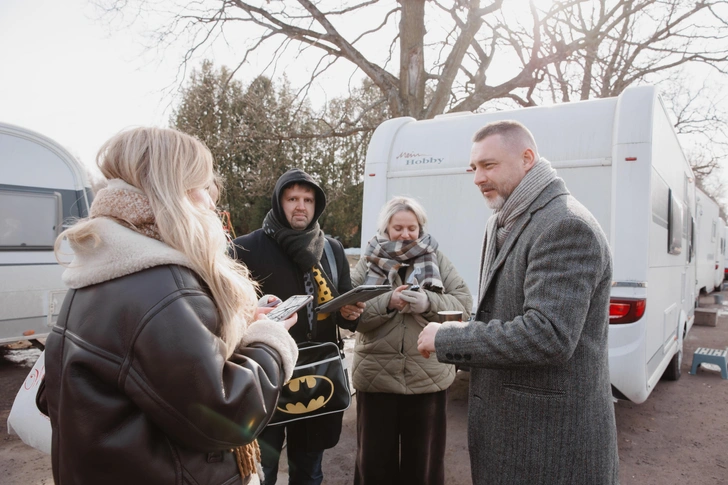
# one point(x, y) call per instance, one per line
point(304, 468)
point(400, 438)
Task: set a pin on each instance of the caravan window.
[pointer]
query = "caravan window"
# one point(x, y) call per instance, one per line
point(674, 225)
point(29, 220)
point(660, 201)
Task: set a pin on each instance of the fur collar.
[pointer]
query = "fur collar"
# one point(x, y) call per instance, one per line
point(119, 252)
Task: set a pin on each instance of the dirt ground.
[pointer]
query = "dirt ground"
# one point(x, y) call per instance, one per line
point(678, 436)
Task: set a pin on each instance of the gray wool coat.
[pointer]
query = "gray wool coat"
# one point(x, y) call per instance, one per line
point(540, 409)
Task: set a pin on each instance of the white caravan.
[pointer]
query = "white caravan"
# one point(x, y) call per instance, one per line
point(720, 261)
point(710, 244)
point(621, 158)
point(725, 254)
point(42, 190)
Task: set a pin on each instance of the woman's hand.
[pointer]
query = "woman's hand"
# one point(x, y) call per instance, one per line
point(266, 304)
point(352, 312)
point(418, 301)
point(395, 301)
point(290, 321)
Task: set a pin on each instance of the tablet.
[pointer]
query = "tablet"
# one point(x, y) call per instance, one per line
point(360, 293)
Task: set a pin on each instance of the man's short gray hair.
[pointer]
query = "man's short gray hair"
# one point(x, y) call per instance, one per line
point(514, 133)
point(398, 204)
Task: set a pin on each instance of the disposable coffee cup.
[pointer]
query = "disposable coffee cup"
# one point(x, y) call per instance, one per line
point(450, 316)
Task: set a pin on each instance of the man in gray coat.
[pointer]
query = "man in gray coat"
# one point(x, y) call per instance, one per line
point(540, 408)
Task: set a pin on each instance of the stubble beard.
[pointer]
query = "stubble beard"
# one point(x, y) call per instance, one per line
point(496, 203)
point(299, 221)
point(500, 199)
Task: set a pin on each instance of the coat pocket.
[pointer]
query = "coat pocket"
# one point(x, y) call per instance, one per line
point(195, 467)
point(532, 391)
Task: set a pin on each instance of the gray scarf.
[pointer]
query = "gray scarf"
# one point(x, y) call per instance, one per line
point(502, 221)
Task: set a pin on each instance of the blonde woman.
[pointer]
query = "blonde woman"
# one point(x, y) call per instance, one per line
point(160, 369)
point(402, 396)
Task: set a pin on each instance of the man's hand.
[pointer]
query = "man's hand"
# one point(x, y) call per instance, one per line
point(352, 312)
point(426, 340)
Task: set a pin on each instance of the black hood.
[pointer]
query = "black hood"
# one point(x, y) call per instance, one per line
point(296, 176)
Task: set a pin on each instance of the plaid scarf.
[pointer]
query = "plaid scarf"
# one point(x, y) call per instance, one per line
point(386, 257)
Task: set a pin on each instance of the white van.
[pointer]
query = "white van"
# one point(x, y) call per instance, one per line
point(42, 190)
point(621, 158)
point(710, 248)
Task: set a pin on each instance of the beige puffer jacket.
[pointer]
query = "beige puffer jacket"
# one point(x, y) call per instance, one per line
point(386, 357)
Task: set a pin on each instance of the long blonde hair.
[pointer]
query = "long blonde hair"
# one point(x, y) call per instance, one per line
point(166, 165)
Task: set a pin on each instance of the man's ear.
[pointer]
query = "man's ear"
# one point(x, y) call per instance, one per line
point(529, 159)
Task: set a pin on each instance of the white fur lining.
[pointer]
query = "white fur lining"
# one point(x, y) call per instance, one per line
point(120, 252)
point(119, 184)
point(275, 335)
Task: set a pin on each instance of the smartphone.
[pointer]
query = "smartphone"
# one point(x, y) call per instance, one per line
point(289, 307)
point(275, 302)
point(415, 285)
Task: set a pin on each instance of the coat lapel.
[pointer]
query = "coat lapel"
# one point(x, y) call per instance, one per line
point(500, 257)
point(553, 190)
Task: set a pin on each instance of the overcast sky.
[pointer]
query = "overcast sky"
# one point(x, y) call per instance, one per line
point(63, 75)
point(68, 75)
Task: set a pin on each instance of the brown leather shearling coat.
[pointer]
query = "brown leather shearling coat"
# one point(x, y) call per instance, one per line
point(138, 388)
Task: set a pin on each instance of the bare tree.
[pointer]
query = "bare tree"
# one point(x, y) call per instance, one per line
point(626, 42)
point(700, 121)
point(455, 55)
point(445, 49)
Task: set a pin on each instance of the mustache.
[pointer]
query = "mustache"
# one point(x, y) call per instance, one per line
point(484, 187)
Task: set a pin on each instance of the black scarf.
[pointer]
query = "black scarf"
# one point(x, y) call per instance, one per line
point(303, 247)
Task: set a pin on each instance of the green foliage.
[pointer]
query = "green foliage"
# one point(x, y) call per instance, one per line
point(258, 132)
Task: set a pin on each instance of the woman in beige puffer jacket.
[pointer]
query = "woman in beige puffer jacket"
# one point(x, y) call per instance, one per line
point(401, 400)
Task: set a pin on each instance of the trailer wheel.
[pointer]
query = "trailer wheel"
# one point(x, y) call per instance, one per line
point(673, 371)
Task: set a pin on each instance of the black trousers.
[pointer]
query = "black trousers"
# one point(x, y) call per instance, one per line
point(400, 438)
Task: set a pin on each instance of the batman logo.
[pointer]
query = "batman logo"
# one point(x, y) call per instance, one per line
point(312, 393)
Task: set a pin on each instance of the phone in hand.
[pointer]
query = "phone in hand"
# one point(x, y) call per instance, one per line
point(289, 307)
point(415, 285)
point(273, 303)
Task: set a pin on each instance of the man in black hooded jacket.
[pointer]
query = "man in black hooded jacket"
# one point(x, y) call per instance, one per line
point(287, 257)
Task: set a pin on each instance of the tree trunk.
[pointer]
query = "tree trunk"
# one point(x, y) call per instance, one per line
point(412, 59)
point(589, 58)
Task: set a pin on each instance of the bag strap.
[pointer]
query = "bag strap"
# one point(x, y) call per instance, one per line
point(332, 262)
point(335, 280)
